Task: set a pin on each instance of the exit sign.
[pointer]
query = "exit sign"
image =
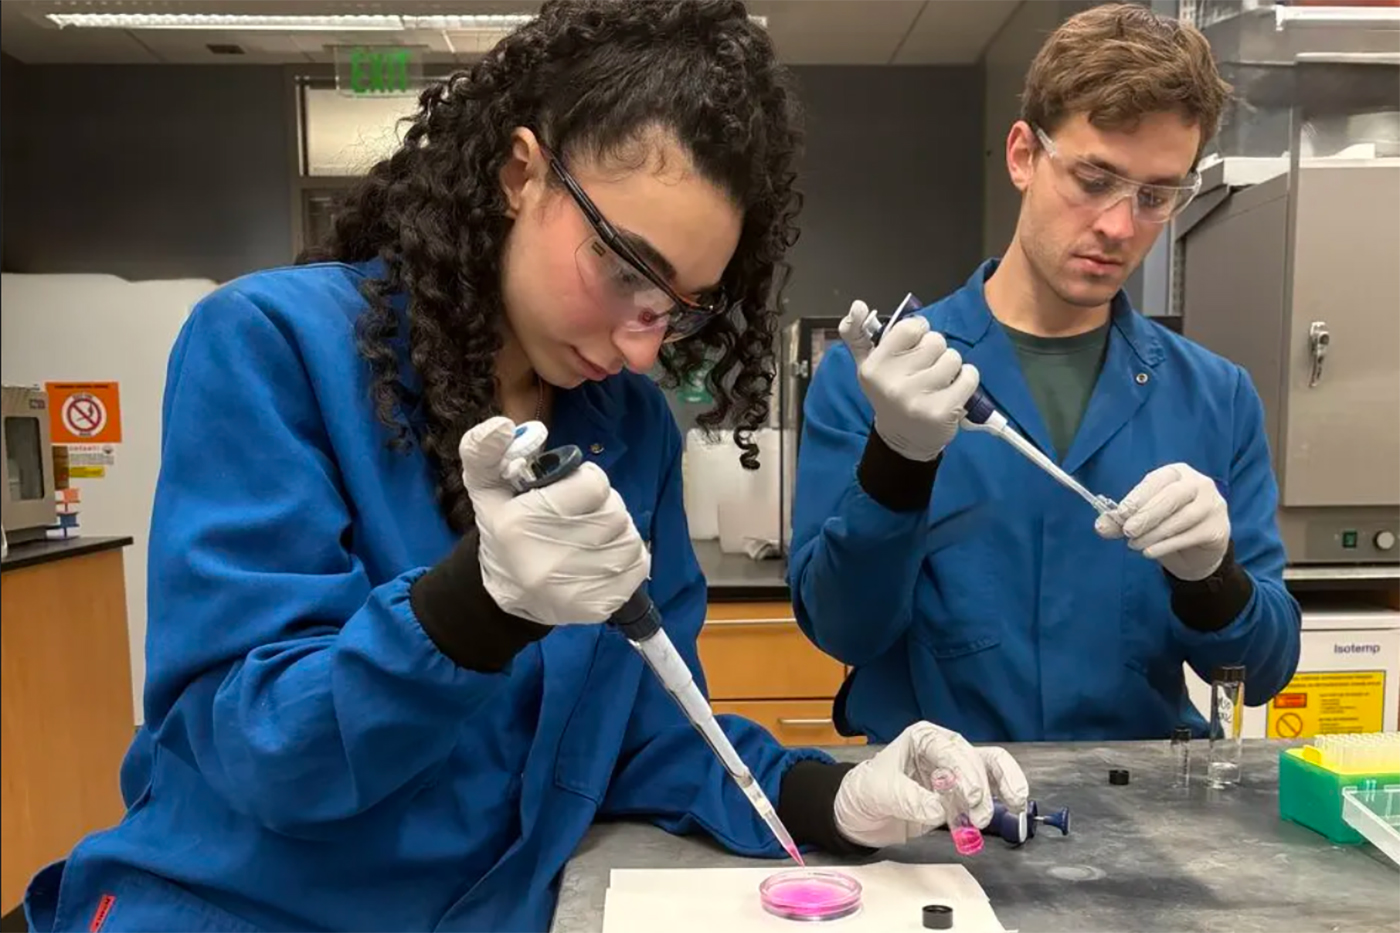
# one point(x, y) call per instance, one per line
point(378, 70)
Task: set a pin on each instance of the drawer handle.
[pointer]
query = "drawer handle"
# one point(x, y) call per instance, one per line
point(805, 722)
point(718, 623)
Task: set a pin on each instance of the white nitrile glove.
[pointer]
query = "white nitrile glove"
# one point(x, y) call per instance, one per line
point(1176, 517)
point(888, 799)
point(567, 553)
point(915, 383)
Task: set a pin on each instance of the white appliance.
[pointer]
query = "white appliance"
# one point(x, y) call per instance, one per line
point(78, 328)
point(1348, 677)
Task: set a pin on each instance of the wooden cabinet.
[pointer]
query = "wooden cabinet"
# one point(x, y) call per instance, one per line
point(759, 665)
point(67, 698)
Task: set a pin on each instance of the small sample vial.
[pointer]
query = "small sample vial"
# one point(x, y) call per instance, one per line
point(1226, 726)
point(1181, 756)
point(810, 894)
point(967, 838)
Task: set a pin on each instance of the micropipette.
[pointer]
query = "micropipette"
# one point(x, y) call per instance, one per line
point(527, 466)
point(981, 415)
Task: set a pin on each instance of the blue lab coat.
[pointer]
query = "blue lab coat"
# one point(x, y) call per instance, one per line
point(998, 611)
point(309, 759)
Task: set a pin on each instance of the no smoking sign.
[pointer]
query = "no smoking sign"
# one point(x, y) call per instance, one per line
point(84, 415)
point(84, 412)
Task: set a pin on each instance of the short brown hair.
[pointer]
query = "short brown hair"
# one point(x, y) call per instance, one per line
point(1120, 62)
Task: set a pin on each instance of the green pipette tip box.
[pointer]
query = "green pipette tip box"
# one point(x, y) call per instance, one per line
point(1311, 795)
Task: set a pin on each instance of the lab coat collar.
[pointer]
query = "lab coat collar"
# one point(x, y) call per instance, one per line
point(1124, 383)
point(969, 319)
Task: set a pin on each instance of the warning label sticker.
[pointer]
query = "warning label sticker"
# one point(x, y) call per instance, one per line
point(1324, 702)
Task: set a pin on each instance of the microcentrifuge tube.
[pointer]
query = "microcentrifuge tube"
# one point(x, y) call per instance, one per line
point(967, 838)
point(1226, 726)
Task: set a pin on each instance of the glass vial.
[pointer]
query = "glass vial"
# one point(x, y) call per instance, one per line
point(1181, 756)
point(1226, 726)
point(967, 838)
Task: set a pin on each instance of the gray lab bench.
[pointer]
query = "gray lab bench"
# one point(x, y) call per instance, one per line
point(1141, 857)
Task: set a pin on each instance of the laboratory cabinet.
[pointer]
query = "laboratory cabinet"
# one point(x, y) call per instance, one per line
point(759, 665)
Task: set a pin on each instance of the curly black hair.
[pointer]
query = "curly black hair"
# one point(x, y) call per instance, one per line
point(589, 77)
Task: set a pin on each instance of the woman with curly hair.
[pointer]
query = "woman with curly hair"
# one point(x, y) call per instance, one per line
point(374, 699)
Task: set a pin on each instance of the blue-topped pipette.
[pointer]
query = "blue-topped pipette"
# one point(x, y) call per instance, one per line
point(528, 465)
point(981, 415)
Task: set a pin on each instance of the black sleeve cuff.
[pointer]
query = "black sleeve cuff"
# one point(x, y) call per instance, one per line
point(893, 480)
point(462, 619)
point(807, 806)
point(1210, 604)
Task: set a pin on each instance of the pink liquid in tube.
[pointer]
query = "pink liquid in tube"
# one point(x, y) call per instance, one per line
point(810, 894)
point(967, 838)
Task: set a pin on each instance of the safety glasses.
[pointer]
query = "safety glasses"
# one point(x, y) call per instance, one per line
point(1085, 184)
point(619, 278)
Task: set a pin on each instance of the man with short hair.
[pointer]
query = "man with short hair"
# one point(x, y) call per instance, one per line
point(961, 583)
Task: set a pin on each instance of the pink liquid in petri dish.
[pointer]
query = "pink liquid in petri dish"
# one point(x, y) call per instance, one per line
point(810, 894)
point(967, 840)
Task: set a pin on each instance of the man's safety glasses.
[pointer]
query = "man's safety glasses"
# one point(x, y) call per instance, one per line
point(1085, 184)
point(618, 277)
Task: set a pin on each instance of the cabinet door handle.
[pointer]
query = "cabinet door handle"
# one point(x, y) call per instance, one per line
point(738, 623)
point(805, 722)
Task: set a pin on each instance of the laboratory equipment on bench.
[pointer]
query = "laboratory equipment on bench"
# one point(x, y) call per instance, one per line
point(1181, 755)
point(1285, 264)
point(982, 415)
point(967, 838)
point(528, 466)
point(1016, 828)
point(1226, 726)
point(1345, 787)
point(810, 894)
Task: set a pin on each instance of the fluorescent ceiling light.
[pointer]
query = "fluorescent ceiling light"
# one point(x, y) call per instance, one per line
point(295, 23)
point(226, 23)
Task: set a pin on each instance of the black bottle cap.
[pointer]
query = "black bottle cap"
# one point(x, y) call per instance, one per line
point(1118, 776)
point(1181, 734)
point(938, 917)
point(1229, 674)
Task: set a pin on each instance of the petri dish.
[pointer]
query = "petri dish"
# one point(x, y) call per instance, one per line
point(811, 894)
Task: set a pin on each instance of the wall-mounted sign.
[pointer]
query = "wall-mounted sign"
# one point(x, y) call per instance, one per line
point(378, 70)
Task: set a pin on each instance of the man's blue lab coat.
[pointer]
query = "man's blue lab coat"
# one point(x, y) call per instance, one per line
point(309, 759)
point(998, 612)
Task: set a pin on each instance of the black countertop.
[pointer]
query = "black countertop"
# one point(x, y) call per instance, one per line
point(737, 577)
point(42, 552)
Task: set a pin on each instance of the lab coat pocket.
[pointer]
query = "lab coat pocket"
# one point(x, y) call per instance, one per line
point(136, 901)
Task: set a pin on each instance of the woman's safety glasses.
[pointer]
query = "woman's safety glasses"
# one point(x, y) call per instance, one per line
point(618, 277)
point(1085, 184)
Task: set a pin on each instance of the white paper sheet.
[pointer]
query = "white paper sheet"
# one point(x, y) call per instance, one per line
point(725, 900)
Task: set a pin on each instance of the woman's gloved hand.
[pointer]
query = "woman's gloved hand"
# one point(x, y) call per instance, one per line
point(917, 386)
point(567, 553)
point(889, 800)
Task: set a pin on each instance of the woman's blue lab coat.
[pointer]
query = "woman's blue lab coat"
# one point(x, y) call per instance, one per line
point(309, 759)
point(998, 612)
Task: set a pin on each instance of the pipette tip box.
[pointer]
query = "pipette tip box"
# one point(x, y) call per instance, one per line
point(1325, 786)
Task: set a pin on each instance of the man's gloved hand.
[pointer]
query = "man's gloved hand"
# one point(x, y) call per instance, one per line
point(567, 553)
point(1176, 517)
point(888, 799)
point(916, 385)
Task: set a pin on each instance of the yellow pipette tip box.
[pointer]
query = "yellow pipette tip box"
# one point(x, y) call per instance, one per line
point(1311, 780)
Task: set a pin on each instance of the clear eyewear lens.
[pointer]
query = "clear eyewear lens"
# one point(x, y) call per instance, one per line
point(624, 290)
point(1088, 185)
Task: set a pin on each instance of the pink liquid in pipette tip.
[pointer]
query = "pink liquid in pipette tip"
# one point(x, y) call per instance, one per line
point(967, 840)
